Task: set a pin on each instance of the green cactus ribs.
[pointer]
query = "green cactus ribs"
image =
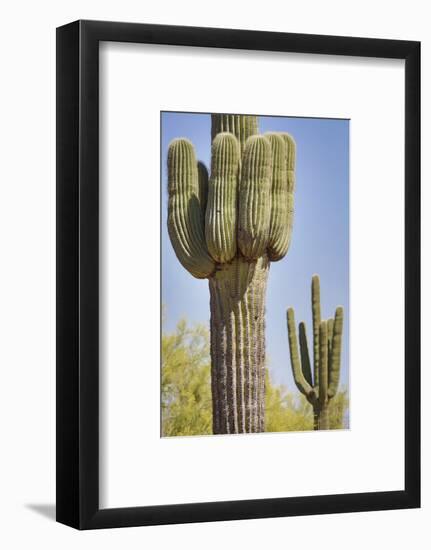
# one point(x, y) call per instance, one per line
point(242, 127)
point(320, 386)
point(237, 301)
point(187, 188)
point(228, 229)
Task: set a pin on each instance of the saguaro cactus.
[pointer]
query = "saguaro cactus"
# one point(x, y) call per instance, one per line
point(228, 229)
point(320, 386)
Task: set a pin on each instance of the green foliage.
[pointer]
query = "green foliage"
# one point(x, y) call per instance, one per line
point(284, 411)
point(339, 410)
point(186, 388)
point(291, 412)
point(186, 391)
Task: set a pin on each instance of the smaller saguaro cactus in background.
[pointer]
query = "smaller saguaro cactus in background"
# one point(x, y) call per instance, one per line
point(321, 385)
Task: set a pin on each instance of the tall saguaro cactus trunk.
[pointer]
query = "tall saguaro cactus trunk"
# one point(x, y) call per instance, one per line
point(238, 345)
point(320, 386)
point(228, 229)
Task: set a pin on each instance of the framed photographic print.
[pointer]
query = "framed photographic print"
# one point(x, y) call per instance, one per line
point(238, 274)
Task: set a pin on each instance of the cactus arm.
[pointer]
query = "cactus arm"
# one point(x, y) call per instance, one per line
point(254, 204)
point(241, 126)
point(305, 356)
point(323, 413)
point(279, 231)
point(220, 218)
point(334, 367)
point(323, 363)
point(300, 381)
point(202, 185)
point(315, 307)
point(290, 174)
point(290, 159)
point(330, 326)
point(185, 212)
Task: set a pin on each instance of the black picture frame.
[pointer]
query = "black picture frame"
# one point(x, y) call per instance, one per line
point(78, 274)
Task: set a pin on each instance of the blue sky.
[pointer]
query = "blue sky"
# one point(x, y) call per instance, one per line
point(320, 238)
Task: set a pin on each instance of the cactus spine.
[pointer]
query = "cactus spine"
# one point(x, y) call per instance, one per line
point(227, 229)
point(320, 386)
